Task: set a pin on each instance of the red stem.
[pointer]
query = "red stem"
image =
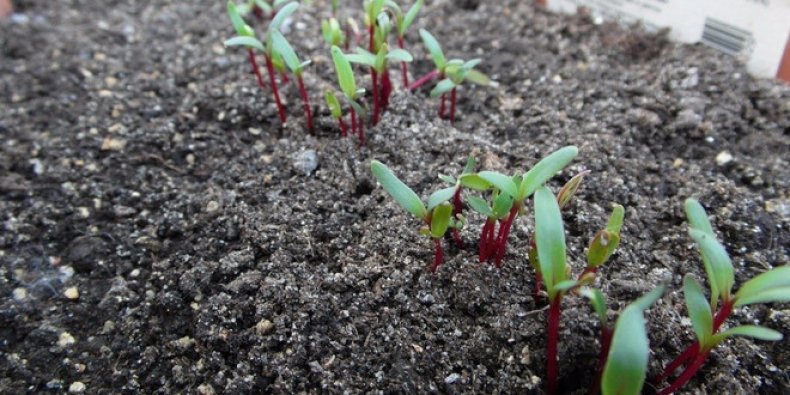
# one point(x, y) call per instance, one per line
point(343, 127)
point(441, 108)
point(457, 238)
point(353, 121)
point(374, 79)
point(692, 350)
point(491, 243)
point(484, 239)
point(307, 113)
point(504, 231)
point(361, 133)
point(437, 258)
point(255, 69)
point(452, 106)
point(551, 345)
point(386, 88)
point(687, 374)
point(273, 83)
point(606, 342)
point(404, 67)
point(424, 79)
point(346, 44)
point(258, 11)
point(284, 77)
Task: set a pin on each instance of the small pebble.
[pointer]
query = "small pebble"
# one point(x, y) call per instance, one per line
point(263, 327)
point(452, 378)
point(723, 158)
point(66, 339)
point(72, 293)
point(20, 294)
point(111, 144)
point(212, 206)
point(77, 387)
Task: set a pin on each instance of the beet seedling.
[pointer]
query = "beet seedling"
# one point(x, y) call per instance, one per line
point(457, 186)
point(519, 188)
point(402, 24)
point(282, 47)
point(378, 67)
point(336, 112)
point(244, 32)
point(437, 216)
point(768, 287)
point(348, 85)
point(333, 34)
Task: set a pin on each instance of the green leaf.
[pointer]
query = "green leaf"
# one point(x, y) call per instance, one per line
point(362, 57)
point(433, 47)
point(626, 364)
point(550, 240)
point(601, 248)
point(345, 76)
point(569, 189)
point(411, 14)
point(699, 310)
point(236, 19)
point(565, 285)
point(334, 104)
point(399, 55)
point(398, 190)
point(381, 58)
point(501, 181)
point(443, 87)
point(287, 52)
point(358, 108)
point(448, 179)
point(282, 15)
point(474, 182)
point(771, 295)
point(697, 217)
point(645, 301)
point(480, 205)
point(478, 78)
point(544, 170)
point(502, 205)
point(244, 41)
point(719, 261)
point(598, 303)
point(615, 222)
point(753, 331)
point(469, 168)
point(440, 197)
point(332, 33)
point(440, 220)
point(775, 278)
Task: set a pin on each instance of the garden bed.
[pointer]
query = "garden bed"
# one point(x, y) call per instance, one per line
point(214, 250)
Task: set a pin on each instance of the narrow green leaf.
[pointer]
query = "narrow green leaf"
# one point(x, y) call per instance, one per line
point(440, 220)
point(719, 261)
point(476, 77)
point(398, 190)
point(365, 59)
point(697, 217)
point(474, 182)
point(287, 52)
point(501, 181)
point(331, 31)
point(469, 168)
point(235, 19)
point(502, 205)
point(568, 190)
point(345, 76)
point(356, 106)
point(626, 364)
point(381, 58)
point(479, 205)
point(545, 169)
point(615, 222)
point(282, 15)
point(334, 104)
point(565, 285)
point(244, 41)
point(433, 47)
point(771, 295)
point(411, 14)
point(646, 300)
point(399, 55)
point(774, 278)
point(550, 240)
point(443, 87)
point(440, 197)
point(263, 5)
point(753, 331)
point(601, 248)
point(598, 303)
point(448, 179)
point(699, 310)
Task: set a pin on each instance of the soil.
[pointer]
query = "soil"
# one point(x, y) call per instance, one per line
point(214, 251)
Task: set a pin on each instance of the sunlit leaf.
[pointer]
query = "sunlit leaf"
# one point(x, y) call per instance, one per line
point(597, 301)
point(550, 240)
point(775, 278)
point(753, 331)
point(545, 169)
point(334, 104)
point(771, 295)
point(399, 191)
point(474, 182)
point(433, 48)
point(244, 41)
point(480, 205)
point(440, 197)
point(443, 87)
point(282, 15)
point(345, 75)
point(502, 182)
point(399, 55)
point(699, 310)
point(287, 52)
point(440, 220)
point(719, 261)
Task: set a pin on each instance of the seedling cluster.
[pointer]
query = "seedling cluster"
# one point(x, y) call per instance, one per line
point(383, 19)
point(624, 346)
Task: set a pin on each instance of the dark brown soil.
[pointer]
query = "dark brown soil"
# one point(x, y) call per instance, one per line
point(141, 164)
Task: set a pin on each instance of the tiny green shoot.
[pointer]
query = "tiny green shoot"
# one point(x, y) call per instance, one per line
point(282, 47)
point(335, 111)
point(348, 85)
point(402, 24)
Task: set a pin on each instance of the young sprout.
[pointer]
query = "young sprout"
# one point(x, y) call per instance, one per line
point(437, 216)
point(402, 24)
point(456, 72)
point(550, 239)
point(333, 34)
point(626, 354)
point(378, 67)
point(453, 73)
point(282, 47)
point(457, 186)
point(768, 287)
point(245, 36)
point(519, 188)
point(336, 112)
point(335, 5)
point(494, 213)
point(372, 9)
point(605, 242)
point(348, 85)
